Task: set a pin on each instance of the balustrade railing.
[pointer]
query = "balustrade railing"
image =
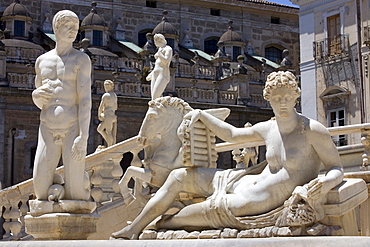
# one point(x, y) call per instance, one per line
point(259, 101)
point(22, 55)
point(105, 172)
point(21, 80)
point(122, 64)
point(196, 71)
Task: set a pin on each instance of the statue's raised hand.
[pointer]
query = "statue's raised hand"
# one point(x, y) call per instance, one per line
point(78, 149)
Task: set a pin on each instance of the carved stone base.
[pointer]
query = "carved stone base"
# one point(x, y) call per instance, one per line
point(66, 219)
point(61, 226)
point(38, 208)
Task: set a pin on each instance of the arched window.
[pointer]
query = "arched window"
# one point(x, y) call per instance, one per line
point(142, 37)
point(210, 45)
point(274, 54)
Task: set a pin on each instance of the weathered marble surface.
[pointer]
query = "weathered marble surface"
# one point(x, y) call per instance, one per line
point(271, 242)
point(296, 146)
point(106, 114)
point(160, 75)
point(63, 82)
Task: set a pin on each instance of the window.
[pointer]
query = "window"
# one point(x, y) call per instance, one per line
point(216, 12)
point(337, 118)
point(171, 42)
point(334, 37)
point(19, 28)
point(210, 45)
point(97, 38)
point(236, 52)
point(151, 4)
point(275, 20)
point(274, 54)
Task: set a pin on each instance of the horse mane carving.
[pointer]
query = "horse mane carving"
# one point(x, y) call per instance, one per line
point(180, 104)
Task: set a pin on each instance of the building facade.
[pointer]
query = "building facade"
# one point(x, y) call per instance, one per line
point(223, 51)
point(334, 63)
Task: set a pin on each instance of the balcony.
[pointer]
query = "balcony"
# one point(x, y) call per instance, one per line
point(331, 48)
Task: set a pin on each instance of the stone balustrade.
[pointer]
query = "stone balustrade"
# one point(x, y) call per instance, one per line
point(21, 80)
point(111, 63)
point(105, 171)
point(196, 71)
point(259, 101)
point(22, 55)
point(207, 96)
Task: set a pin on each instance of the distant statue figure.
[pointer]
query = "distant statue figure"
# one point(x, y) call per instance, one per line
point(160, 76)
point(106, 114)
point(286, 60)
point(64, 96)
point(247, 154)
point(296, 147)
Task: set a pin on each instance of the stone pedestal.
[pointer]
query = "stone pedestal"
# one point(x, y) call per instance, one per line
point(63, 220)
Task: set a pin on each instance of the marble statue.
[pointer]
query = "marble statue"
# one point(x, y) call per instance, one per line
point(286, 62)
point(296, 147)
point(63, 94)
point(166, 146)
point(106, 114)
point(160, 76)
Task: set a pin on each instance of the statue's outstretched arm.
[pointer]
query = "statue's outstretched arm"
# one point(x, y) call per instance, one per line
point(225, 131)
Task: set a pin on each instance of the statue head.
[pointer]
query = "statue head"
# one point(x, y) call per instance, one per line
point(281, 79)
point(159, 38)
point(62, 17)
point(108, 85)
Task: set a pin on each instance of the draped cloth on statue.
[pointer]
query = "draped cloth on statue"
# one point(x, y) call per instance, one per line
point(217, 213)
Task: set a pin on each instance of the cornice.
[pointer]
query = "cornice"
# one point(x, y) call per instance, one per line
point(313, 4)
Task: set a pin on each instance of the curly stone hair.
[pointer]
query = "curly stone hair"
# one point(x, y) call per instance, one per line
point(280, 79)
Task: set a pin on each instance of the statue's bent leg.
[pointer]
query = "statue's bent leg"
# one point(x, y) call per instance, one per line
point(46, 160)
point(133, 172)
point(190, 217)
point(191, 180)
point(74, 171)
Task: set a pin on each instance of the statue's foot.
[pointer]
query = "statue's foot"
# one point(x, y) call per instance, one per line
point(124, 234)
point(128, 199)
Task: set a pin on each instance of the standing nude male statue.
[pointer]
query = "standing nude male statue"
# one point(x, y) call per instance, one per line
point(63, 93)
point(106, 114)
point(160, 76)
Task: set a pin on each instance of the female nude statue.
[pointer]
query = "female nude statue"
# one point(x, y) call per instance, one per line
point(296, 147)
point(160, 76)
point(106, 114)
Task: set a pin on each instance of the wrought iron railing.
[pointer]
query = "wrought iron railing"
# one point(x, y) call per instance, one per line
point(333, 47)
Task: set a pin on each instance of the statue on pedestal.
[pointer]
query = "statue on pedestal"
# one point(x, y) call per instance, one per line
point(160, 76)
point(106, 114)
point(296, 147)
point(63, 93)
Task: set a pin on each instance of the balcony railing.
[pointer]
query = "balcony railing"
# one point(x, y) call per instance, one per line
point(333, 47)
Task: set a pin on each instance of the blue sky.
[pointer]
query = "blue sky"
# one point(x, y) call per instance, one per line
point(286, 2)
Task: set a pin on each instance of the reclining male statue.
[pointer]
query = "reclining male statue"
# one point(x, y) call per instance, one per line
point(296, 147)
